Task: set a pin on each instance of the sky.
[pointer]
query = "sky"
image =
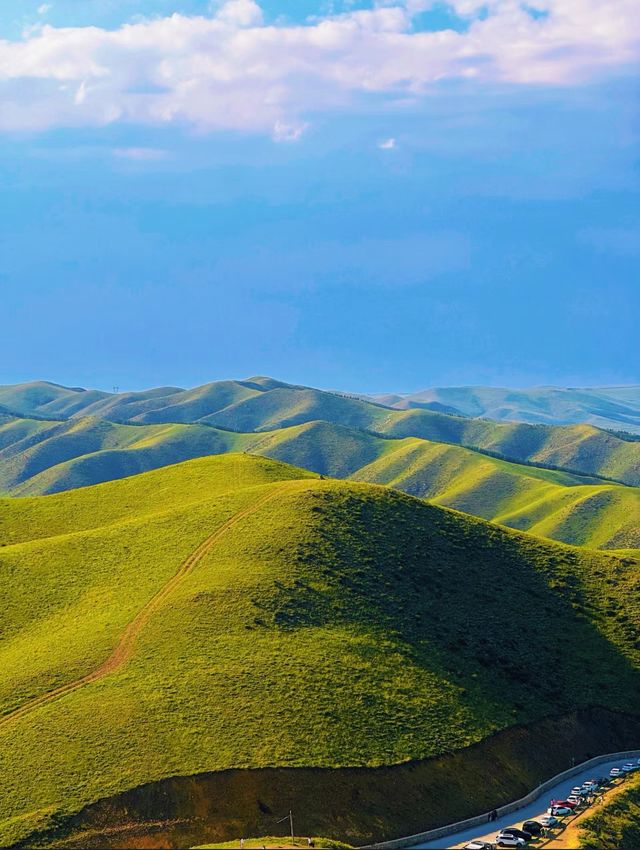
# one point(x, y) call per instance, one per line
point(353, 195)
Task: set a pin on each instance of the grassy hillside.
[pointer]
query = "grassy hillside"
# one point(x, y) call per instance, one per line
point(264, 405)
point(615, 825)
point(605, 407)
point(544, 502)
point(322, 623)
point(39, 458)
point(57, 456)
point(578, 448)
point(42, 398)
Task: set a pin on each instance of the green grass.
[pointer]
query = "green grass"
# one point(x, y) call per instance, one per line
point(340, 624)
point(581, 449)
point(544, 502)
point(263, 404)
point(616, 825)
point(39, 458)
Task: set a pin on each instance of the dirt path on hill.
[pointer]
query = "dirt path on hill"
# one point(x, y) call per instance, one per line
point(124, 648)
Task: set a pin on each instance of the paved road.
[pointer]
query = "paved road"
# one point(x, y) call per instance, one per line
point(531, 812)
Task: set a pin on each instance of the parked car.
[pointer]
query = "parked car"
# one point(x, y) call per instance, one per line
point(503, 840)
point(519, 833)
point(548, 821)
point(575, 799)
point(559, 811)
point(478, 845)
point(565, 803)
point(614, 772)
point(533, 827)
point(577, 791)
point(629, 767)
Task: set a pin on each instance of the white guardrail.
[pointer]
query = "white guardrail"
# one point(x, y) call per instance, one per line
point(478, 820)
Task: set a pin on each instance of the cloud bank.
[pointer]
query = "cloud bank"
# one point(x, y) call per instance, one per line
point(232, 71)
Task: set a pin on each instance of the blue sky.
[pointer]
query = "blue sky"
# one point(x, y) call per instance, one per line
point(411, 230)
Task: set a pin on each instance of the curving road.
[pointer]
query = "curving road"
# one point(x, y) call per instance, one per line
point(487, 832)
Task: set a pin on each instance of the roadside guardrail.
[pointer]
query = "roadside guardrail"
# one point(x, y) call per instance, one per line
point(478, 820)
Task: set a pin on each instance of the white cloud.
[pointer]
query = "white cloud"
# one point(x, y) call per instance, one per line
point(387, 144)
point(231, 71)
point(243, 13)
point(284, 132)
point(141, 154)
point(44, 8)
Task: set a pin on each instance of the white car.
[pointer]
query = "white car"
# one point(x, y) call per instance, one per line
point(548, 821)
point(628, 767)
point(578, 791)
point(574, 798)
point(478, 845)
point(614, 772)
point(559, 811)
point(507, 840)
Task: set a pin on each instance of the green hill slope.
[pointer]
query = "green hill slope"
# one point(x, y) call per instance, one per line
point(58, 456)
point(263, 404)
point(605, 407)
point(318, 623)
point(577, 448)
point(39, 458)
point(543, 502)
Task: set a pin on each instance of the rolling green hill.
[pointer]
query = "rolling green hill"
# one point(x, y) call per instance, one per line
point(616, 408)
point(323, 570)
point(577, 448)
point(546, 503)
point(265, 405)
point(39, 458)
point(237, 612)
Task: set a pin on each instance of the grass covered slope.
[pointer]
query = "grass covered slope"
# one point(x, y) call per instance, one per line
point(40, 458)
point(576, 448)
point(548, 503)
point(62, 455)
point(329, 624)
point(264, 405)
point(616, 824)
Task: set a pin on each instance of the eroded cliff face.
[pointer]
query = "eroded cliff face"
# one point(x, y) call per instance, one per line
point(355, 805)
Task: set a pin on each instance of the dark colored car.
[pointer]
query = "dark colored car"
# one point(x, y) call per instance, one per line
point(532, 826)
point(519, 833)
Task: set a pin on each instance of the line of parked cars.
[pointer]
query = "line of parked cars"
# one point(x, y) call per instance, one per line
point(514, 837)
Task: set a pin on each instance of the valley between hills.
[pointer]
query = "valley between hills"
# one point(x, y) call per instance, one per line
point(223, 602)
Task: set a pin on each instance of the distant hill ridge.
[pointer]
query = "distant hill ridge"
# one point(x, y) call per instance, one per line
point(616, 408)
